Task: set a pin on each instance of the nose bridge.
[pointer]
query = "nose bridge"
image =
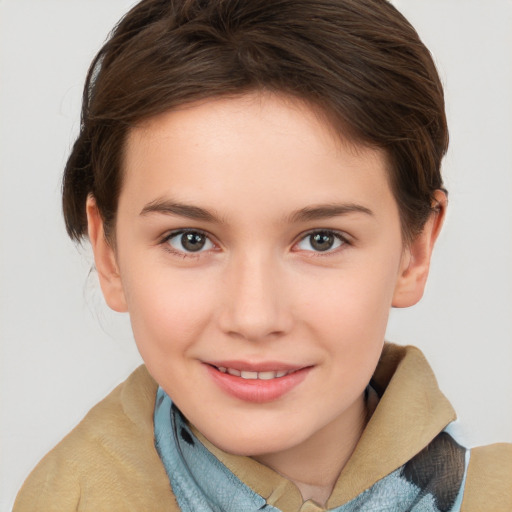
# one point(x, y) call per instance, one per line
point(256, 304)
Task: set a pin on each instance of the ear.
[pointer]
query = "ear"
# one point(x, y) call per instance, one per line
point(416, 259)
point(105, 259)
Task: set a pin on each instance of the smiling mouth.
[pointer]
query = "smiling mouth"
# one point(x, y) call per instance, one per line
point(257, 383)
point(250, 375)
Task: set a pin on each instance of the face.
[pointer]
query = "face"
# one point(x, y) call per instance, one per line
point(258, 257)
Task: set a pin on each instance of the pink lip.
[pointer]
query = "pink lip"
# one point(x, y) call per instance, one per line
point(256, 390)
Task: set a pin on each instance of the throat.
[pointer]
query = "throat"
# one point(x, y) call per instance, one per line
point(315, 465)
point(317, 493)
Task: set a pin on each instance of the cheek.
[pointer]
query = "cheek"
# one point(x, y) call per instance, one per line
point(354, 295)
point(168, 310)
point(350, 307)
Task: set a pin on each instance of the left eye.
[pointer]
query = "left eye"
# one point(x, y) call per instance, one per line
point(321, 241)
point(189, 241)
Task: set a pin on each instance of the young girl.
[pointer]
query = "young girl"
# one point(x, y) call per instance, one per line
point(260, 183)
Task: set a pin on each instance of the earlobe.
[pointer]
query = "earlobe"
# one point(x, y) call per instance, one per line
point(415, 263)
point(105, 259)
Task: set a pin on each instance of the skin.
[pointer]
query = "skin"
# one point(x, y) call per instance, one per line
point(266, 172)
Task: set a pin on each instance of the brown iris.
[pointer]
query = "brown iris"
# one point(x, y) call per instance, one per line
point(193, 241)
point(322, 241)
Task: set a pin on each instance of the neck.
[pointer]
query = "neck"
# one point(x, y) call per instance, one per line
point(315, 465)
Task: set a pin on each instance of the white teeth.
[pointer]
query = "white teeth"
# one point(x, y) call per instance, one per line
point(254, 375)
point(249, 375)
point(267, 375)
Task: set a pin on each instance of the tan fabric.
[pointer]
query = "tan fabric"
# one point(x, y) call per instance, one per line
point(489, 479)
point(109, 463)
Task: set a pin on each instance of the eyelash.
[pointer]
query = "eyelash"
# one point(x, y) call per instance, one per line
point(339, 236)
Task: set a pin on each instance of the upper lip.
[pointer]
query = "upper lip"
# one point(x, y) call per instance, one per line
point(264, 366)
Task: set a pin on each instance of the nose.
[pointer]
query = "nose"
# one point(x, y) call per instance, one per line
point(256, 305)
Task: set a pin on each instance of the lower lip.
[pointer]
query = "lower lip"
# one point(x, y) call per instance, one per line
point(257, 390)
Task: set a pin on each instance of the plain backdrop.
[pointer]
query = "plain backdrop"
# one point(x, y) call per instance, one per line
point(62, 350)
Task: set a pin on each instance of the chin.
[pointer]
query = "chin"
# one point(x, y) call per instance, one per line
point(253, 444)
point(253, 449)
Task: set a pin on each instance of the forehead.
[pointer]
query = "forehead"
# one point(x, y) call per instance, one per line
point(271, 147)
point(199, 122)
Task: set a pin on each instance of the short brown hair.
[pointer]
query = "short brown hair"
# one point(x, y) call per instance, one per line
point(359, 61)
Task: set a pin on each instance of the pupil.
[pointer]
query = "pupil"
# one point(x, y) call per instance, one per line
point(322, 241)
point(193, 241)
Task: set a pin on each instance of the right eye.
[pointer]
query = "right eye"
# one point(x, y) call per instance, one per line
point(189, 241)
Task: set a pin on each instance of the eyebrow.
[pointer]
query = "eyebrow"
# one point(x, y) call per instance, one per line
point(183, 210)
point(309, 213)
point(325, 211)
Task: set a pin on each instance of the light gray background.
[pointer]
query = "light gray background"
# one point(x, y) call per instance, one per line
point(62, 350)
